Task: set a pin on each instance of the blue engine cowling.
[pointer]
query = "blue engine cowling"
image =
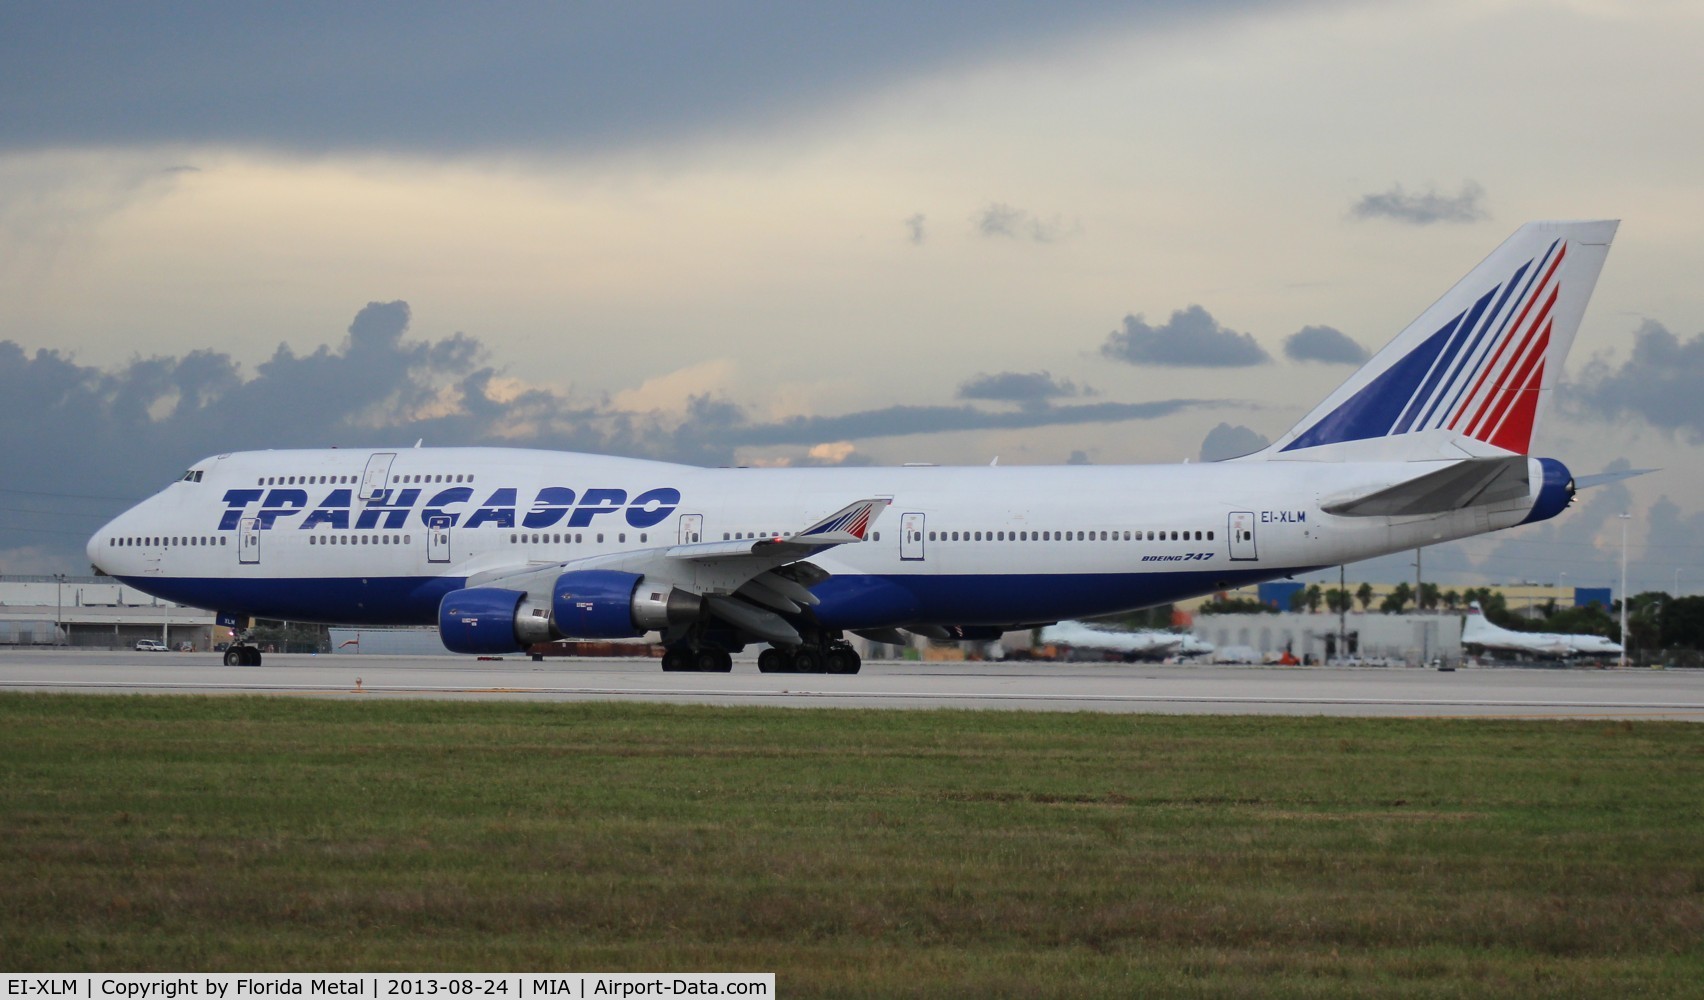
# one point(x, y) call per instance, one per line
point(480, 620)
point(585, 604)
point(595, 604)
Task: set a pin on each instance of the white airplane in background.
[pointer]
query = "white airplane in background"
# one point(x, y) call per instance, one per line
point(504, 548)
point(1145, 644)
point(1478, 631)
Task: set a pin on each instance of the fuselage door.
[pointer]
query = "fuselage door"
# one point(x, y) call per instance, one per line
point(911, 536)
point(377, 474)
point(438, 539)
point(248, 541)
point(691, 528)
point(1241, 532)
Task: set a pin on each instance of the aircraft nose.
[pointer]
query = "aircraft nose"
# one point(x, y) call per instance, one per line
point(93, 549)
point(100, 546)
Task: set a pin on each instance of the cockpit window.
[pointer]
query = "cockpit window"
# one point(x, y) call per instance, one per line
point(192, 476)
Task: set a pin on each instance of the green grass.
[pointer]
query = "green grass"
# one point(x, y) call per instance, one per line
point(855, 853)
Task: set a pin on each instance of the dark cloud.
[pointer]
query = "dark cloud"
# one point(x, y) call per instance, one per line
point(1225, 442)
point(1324, 344)
point(444, 77)
point(1004, 221)
point(1192, 338)
point(82, 443)
point(1423, 209)
point(914, 229)
point(1026, 388)
point(1658, 384)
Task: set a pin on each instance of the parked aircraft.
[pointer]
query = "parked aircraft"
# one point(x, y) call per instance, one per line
point(1146, 644)
point(1478, 632)
point(503, 548)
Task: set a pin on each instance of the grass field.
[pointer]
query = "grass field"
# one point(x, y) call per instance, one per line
point(855, 853)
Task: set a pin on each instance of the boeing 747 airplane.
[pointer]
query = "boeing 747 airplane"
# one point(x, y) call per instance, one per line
point(502, 548)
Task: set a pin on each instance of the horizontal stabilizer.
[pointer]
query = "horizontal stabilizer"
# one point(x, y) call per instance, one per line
point(1605, 478)
point(1457, 485)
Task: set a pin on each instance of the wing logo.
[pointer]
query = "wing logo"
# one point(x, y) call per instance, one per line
point(854, 521)
point(1479, 374)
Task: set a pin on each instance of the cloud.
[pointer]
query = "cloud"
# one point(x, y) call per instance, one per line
point(1192, 338)
point(894, 421)
point(321, 76)
point(914, 229)
point(1324, 344)
point(671, 391)
point(1225, 442)
point(1026, 388)
point(126, 431)
point(1004, 221)
point(1423, 209)
point(1658, 383)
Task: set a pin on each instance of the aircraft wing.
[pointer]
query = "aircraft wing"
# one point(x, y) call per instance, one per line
point(848, 524)
point(1456, 485)
point(750, 583)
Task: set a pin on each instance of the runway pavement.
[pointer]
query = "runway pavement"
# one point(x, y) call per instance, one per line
point(1514, 693)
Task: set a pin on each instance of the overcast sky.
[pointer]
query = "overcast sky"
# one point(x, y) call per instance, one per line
point(770, 233)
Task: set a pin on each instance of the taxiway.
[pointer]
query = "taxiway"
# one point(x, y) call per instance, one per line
point(1510, 693)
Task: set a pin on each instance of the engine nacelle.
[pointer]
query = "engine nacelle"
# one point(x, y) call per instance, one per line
point(610, 604)
point(482, 620)
point(587, 604)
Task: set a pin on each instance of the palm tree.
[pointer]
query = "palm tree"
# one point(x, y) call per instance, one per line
point(1364, 594)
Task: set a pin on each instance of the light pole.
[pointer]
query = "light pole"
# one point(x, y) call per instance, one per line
point(1624, 519)
point(59, 607)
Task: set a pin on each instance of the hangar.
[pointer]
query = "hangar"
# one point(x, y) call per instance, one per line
point(94, 612)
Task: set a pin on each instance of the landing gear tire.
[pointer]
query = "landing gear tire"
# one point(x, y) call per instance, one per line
point(713, 661)
point(774, 661)
point(242, 656)
point(841, 660)
point(807, 661)
point(677, 659)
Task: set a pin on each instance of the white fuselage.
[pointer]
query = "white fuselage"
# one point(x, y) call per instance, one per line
point(364, 537)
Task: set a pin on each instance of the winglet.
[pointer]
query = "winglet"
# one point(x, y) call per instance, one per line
point(848, 524)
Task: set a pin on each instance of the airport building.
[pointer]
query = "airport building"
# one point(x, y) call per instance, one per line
point(1410, 639)
point(94, 612)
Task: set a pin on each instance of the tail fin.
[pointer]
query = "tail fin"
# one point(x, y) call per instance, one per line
point(1470, 376)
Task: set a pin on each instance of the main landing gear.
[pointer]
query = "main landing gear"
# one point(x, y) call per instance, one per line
point(830, 657)
point(704, 659)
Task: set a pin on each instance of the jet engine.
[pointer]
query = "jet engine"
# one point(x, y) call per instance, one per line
point(585, 604)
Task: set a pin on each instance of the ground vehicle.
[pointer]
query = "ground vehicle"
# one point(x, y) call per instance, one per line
point(150, 646)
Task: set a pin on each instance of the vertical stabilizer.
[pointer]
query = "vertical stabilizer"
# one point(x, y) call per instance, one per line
point(1472, 375)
